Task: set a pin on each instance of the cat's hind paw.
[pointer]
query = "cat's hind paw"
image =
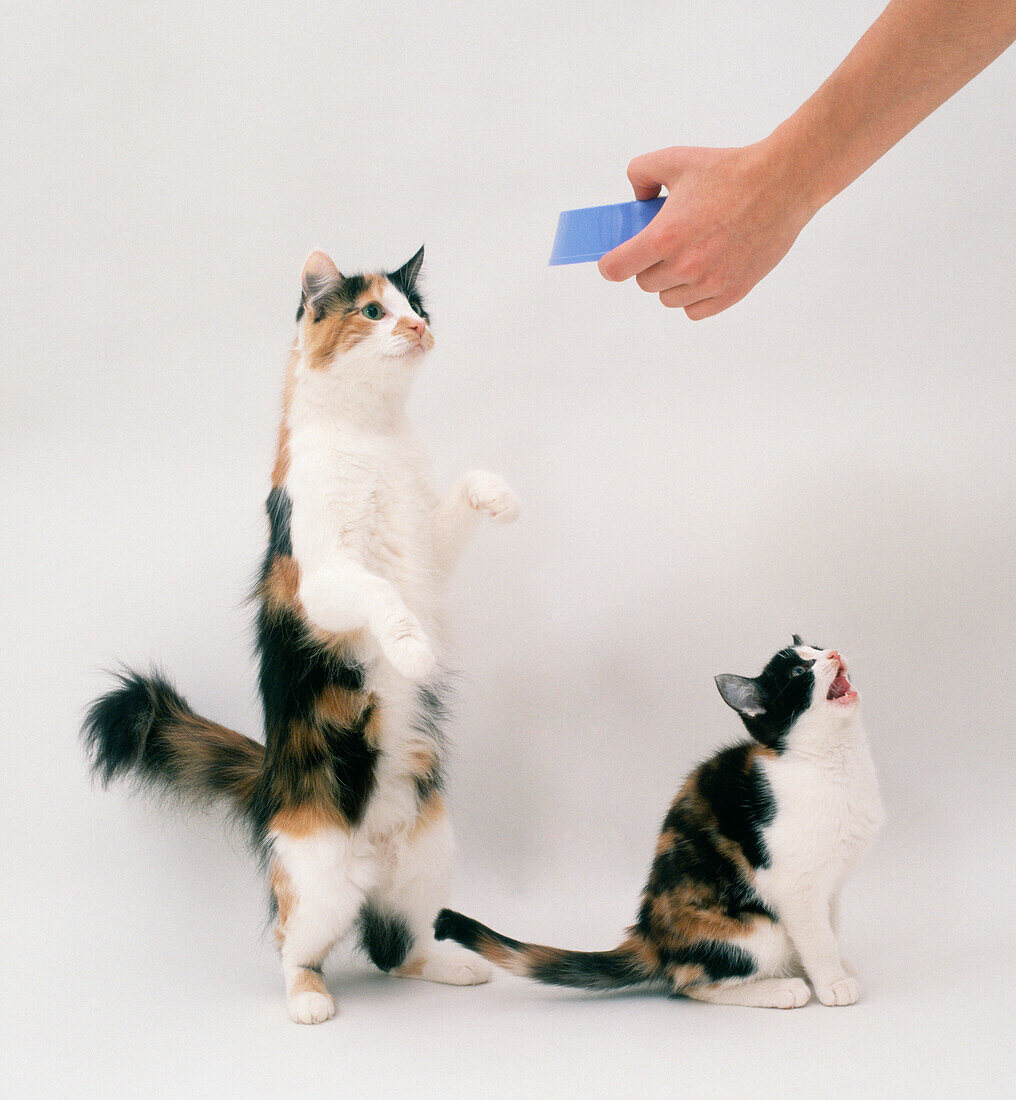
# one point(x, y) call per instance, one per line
point(310, 1007)
point(451, 967)
point(845, 991)
point(490, 494)
point(792, 993)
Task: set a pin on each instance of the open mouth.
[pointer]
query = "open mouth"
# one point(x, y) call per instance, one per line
point(840, 689)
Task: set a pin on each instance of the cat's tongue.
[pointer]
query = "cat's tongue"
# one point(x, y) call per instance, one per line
point(839, 687)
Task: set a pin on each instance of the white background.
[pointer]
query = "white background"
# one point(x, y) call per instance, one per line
point(834, 456)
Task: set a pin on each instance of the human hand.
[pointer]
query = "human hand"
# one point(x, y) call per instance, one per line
point(730, 216)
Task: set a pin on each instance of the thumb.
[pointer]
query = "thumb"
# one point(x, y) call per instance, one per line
point(650, 171)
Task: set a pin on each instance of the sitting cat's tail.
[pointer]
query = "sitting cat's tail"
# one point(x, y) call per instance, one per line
point(630, 964)
point(145, 729)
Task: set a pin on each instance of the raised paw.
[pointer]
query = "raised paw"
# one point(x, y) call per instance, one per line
point(451, 967)
point(793, 993)
point(490, 494)
point(845, 991)
point(406, 646)
point(310, 1007)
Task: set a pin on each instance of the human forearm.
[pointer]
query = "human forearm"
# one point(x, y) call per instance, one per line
point(915, 56)
point(732, 214)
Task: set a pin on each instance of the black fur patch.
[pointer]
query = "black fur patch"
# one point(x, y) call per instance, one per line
point(339, 299)
point(387, 939)
point(786, 697)
point(295, 670)
point(466, 931)
point(123, 728)
point(718, 959)
point(280, 513)
point(693, 855)
point(354, 765)
point(741, 800)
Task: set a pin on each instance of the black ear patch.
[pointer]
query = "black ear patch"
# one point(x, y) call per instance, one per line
point(408, 273)
point(797, 640)
point(406, 279)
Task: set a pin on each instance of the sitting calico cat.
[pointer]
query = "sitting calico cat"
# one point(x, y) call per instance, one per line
point(742, 893)
point(344, 799)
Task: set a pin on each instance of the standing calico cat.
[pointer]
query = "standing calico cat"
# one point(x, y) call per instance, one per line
point(344, 799)
point(742, 893)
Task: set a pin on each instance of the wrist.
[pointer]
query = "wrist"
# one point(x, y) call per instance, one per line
point(794, 166)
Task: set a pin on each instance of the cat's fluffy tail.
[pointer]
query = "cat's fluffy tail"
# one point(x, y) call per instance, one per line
point(630, 964)
point(145, 729)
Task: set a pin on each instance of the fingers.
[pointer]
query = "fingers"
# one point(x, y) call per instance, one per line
point(649, 172)
point(630, 258)
point(643, 176)
point(662, 276)
point(680, 297)
point(709, 307)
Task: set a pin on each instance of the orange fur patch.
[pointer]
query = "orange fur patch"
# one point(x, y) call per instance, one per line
point(285, 898)
point(430, 813)
point(340, 707)
point(497, 953)
point(412, 969)
point(684, 976)
point(337, 332)
point(281, 467)
point(307, 819)
point(422, 762)
point(280, 587)
point(198, 749)
point(307, 981)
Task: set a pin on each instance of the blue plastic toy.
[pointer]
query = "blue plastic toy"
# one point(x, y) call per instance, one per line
point(587, 234)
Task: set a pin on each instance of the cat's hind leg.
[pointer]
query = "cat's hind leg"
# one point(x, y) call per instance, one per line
point(761, 993)
point(319, 881)
point(397, 924)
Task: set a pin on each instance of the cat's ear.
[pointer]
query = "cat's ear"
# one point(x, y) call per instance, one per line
point(409, 272)
point(797, 640)
point(318, 279)
point(742, 694)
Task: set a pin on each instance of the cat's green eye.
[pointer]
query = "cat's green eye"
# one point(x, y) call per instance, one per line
point(373, 311)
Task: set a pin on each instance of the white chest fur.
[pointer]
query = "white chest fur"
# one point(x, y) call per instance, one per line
point(364, 496)
point(828, 807)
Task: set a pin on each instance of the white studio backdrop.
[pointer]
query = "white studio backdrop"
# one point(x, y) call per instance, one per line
point(833, 456)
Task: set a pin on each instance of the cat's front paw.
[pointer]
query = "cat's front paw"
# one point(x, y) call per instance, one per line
point(407, 648)
point(844, 991)
point(310, 1007)
point(490, 494)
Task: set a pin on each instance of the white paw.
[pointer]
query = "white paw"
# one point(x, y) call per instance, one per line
point(793, 993)
point(845, 991)
point(453, 967)
point(460, 971)
point(490, 493)
point(407, 647)
point(310, 1008)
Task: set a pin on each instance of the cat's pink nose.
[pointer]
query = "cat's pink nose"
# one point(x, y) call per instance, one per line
point(418, 325)
point(833, 655)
